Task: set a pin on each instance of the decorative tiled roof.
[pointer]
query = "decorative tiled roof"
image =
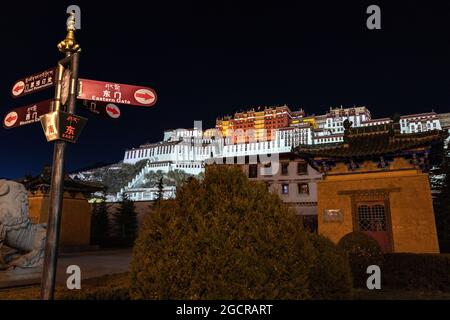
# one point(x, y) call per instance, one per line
point(365, 142)
point(43, 180)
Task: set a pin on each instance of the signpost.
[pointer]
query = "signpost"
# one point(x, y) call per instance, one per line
point(34, 83)
point(71, 49)
point(112, 110)
point(62, 125)
point(26, 115)
point(116, 93)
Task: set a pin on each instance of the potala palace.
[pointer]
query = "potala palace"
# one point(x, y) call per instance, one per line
point(264, 131)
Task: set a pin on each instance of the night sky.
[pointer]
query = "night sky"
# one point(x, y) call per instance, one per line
point(209, 59)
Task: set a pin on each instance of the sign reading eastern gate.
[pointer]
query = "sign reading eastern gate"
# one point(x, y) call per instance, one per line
point(33, 83)
point(116, 93)
point(26, 115)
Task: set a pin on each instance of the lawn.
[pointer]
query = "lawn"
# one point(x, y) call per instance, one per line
point(391, 294)
point(115, 287)
point(88, 286)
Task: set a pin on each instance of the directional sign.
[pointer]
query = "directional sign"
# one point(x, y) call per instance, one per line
point(59, 125)
point(33, 83)
point(26, 115)
point(104, 109)
point(10, 119)
point(112, 110)
point(116, 93)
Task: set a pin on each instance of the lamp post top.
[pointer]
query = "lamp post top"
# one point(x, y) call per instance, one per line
point(69, 44)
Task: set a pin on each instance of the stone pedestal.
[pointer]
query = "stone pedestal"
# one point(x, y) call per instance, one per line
point(20, 277)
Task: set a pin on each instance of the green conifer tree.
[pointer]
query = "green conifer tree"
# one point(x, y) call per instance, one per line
point(160, 186)
point(125, 220)
point(99, 222)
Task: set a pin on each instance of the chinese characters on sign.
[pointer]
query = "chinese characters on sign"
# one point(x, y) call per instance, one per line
point(59, 125)
point(69, 128)
point(26, 115)
point(34, 83)
point(116, 93)
point(49, 124)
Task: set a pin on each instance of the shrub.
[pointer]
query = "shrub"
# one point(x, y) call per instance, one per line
point(417, 271)
point(224, 237)
point(362, 251)
point(330, 277)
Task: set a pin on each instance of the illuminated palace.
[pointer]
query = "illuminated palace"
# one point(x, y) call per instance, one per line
point(376, 182)
point(260, 131)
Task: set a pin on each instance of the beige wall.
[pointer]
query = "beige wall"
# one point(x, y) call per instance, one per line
point(142, 208)
point(76, 217)
point(411, 209)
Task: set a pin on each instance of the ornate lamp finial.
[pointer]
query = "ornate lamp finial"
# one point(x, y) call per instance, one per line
point(69, 44)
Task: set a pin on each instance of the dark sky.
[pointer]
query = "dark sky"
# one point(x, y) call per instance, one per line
point(207, 59)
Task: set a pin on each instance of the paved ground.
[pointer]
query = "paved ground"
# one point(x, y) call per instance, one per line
point(92, 264)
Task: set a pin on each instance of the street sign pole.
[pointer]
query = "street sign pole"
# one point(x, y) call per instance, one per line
point(71, 50)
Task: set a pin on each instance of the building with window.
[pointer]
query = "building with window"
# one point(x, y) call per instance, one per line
point(254, 125)
point(376, 182)
point(293, 179)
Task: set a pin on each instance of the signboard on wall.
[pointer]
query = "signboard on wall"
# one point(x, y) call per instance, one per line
point(333, 215)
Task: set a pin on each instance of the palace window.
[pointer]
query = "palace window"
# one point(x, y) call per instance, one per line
point(253, 171)
point(372, 217)
point(302, 168)
point(284, 168)
point(303, 188)
point(285, 188)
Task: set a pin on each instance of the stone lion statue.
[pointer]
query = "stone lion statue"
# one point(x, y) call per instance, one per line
point(25, 240)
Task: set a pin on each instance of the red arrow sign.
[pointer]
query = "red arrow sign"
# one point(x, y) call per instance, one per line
point(116, 93)
point(26, 115)
point(19, 87)
point(112, 110)
point(10, 119)
point(145, 96)
point(108, 110)
point(33, 83)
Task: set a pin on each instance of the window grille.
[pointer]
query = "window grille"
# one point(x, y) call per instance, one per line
point(372, 217)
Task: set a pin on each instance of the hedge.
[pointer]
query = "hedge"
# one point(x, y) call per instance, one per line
point(362, 251)
point(225, 237)
point(330, 277)
point(416, 271)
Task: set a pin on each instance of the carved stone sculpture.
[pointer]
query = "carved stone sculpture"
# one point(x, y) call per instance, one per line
point(17, 232)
